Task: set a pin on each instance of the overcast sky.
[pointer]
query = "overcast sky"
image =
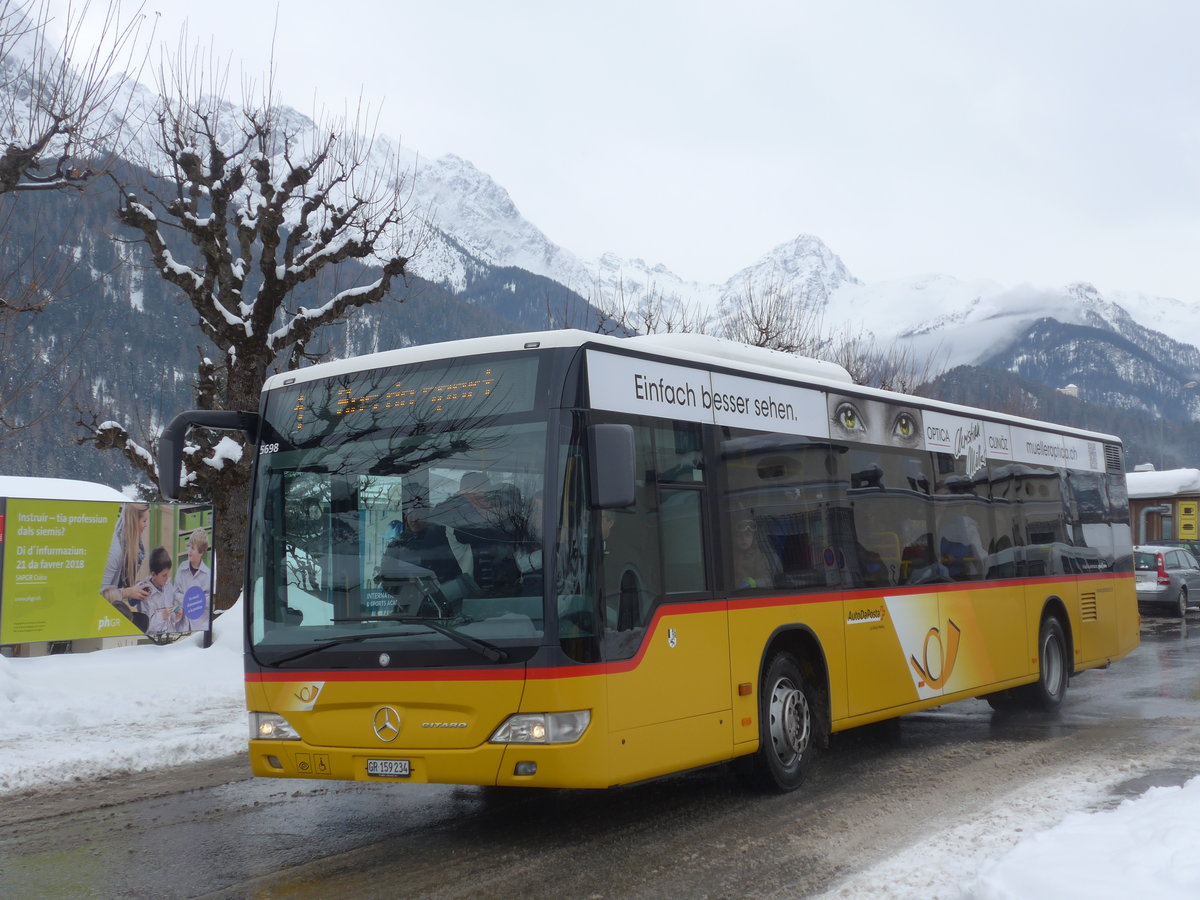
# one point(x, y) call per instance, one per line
point(1040, 142)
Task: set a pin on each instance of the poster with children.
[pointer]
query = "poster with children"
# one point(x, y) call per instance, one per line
point(72, 570)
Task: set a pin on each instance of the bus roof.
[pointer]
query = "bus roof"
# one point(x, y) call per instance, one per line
point(680, 347)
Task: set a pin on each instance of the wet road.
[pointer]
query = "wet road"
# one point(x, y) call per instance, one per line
point(212, 830)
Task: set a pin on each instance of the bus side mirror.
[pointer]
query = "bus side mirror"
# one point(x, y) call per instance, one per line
point(613, 466)
point(170, 442)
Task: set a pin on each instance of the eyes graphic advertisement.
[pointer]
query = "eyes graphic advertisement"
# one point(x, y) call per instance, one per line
point(874, 422)
point(848, 418)
point(904, 428)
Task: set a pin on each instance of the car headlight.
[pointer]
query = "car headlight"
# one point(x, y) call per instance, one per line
point(542, 728)
point(271, 727)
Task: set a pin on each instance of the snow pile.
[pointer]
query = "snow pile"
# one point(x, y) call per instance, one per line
point(30, 488)
point(1146, 847)
point(1168, 483)
point(129, 709)
point(1031, 845)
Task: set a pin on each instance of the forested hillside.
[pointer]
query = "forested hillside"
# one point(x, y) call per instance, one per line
point(1148, 438)
point(116, 342)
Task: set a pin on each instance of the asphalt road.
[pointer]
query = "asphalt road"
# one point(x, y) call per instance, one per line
point(213, 830)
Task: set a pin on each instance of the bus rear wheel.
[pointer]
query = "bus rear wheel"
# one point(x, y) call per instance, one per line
point(788, 726)
point(1047, 693)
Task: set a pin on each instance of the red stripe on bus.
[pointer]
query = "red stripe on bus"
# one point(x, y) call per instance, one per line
point(514, 674)
point(519, 673)
point(663, 611)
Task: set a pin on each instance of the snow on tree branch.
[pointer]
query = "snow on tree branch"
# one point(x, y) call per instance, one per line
point(265, 201)
point(253, 215)
point(111, 435)
point(307, 321)
point(226, 451)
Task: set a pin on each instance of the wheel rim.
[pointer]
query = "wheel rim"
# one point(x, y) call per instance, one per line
point(1052, 665)
point(789, 720)
point(1182, 602)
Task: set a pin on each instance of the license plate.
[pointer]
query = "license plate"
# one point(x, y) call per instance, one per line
point(389, 768)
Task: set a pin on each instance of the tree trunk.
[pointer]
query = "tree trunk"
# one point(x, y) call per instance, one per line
point(230, 534)
point(230, 487)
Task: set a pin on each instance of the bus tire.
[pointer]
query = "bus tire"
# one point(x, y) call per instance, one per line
point(789, 722)
point(1002, 701)
point(1047, 693)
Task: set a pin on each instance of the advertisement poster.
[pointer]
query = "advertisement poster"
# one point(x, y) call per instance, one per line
point(74, 569)
point(645, 387)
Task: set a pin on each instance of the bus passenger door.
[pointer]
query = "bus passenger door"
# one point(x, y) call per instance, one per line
point(666, 643)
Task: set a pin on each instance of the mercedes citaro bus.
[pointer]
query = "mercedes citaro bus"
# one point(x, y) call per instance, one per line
point(570, 560)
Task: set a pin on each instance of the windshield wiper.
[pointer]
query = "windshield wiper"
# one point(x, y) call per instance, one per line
point(483, 648)
point(442, 626)
point(346, 639)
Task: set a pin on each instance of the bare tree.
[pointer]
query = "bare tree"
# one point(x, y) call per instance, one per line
point(63, 100)
point(626, 311)
point(62, 111)
point(765, 316)
point(895, 367)
point(771, 317)
point(256, 202)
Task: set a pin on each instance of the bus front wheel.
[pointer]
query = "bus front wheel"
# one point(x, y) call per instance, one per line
point(788, 723)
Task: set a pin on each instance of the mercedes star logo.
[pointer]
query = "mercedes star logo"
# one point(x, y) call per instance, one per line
point(386, 724)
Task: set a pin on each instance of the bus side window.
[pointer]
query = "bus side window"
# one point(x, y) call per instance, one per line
point(1091, 519)
point(679, 470)
point(963, 518)
point(1042, 517)
point(774, 492)
point(890, 535)
point(683, 542)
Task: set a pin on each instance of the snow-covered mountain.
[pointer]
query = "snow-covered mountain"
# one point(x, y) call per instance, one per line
point(964, 322)
point(959, 322)
point(1132, 352)
point(470, 219)
point(485, 269)
point(803, 269)
point(468, 224)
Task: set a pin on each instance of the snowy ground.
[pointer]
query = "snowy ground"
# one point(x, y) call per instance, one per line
point(129, 709)
point(141, 708)
point(1033, 846)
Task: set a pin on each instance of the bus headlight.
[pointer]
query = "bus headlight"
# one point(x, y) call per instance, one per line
point(542, 728)
point(271, 727)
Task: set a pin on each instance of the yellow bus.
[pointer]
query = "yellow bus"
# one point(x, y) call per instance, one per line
point(563, 559)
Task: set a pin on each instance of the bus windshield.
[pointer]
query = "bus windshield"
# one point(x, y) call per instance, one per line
point(400, 510)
